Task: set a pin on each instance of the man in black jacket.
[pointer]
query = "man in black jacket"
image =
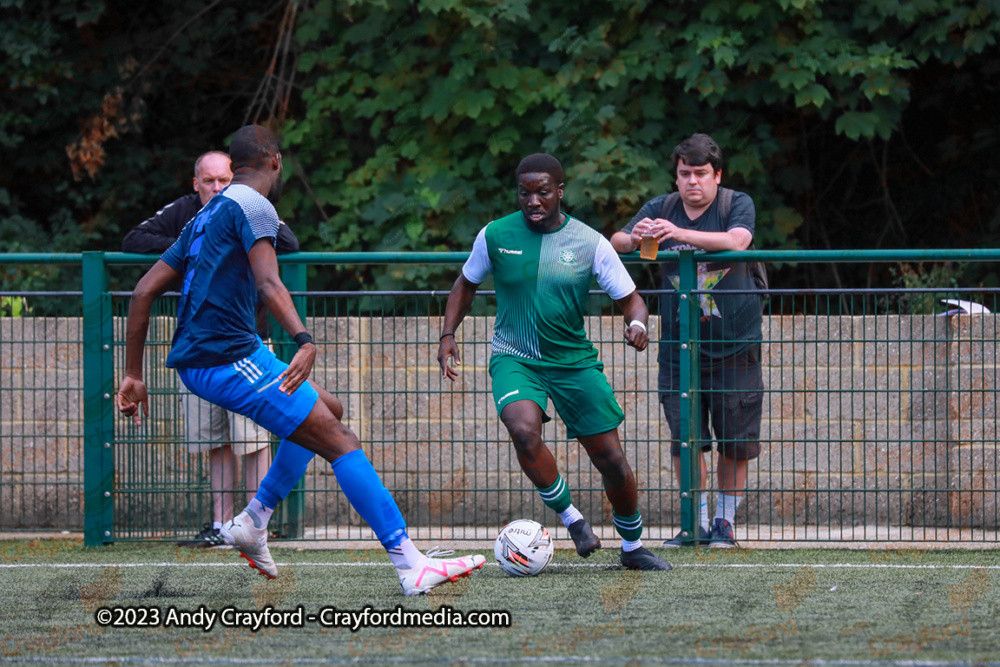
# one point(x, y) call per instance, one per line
point(224, 434)
point(212, 174)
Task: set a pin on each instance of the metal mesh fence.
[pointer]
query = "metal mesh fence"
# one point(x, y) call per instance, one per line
point(440, 447)
point(41, 415)
point(878, 423)
point(879, 419)
point(160, 489)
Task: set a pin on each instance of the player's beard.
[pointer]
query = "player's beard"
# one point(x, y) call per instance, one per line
point(546, 224)
point(274, 194)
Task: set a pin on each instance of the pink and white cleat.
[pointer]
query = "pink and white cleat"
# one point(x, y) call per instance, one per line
point(241, 533)
point(432, 572)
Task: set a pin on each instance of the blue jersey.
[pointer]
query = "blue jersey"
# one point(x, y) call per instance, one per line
point(215, 314)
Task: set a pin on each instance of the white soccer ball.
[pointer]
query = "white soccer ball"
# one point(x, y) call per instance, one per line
point(523, 548)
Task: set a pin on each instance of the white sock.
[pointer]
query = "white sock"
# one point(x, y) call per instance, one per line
point(259, 514)
point(630, 545)
point(705, 523)
point(570, 515)
point(725, 507)
point(217, 525)
point(405, 555)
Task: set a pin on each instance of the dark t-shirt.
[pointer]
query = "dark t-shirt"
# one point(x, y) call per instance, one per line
point(729, 322)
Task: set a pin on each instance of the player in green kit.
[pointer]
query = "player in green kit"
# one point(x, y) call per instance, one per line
point(543, 262)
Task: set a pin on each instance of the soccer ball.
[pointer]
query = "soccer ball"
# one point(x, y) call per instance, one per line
point(523, 548)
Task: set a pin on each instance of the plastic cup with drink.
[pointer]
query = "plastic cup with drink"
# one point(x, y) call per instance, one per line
point(648, 247)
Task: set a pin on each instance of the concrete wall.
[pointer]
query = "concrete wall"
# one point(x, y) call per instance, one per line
point(887, 420)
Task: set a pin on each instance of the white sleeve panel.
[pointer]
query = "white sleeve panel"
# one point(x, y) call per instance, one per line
point(478, 266)
point(610, 272)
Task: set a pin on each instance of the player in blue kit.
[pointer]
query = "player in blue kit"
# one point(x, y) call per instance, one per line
point(224, 260)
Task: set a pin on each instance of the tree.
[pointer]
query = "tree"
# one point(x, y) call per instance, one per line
point(413, 115)
point(105, 110)
point(853, 125)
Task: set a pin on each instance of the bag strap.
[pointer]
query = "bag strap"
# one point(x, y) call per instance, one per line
point(725, 204)
point(668, 201)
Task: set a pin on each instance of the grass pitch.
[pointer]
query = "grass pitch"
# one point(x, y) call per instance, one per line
point(884, 607)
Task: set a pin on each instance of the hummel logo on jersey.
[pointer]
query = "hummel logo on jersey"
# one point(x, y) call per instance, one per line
point(504, 251)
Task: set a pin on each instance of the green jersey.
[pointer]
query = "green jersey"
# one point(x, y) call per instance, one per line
point(542, 283)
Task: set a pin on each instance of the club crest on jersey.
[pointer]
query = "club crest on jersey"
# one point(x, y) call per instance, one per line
point(567, 257)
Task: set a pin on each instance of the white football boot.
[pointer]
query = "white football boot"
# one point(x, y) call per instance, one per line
point(431, 572)
point(252, 543)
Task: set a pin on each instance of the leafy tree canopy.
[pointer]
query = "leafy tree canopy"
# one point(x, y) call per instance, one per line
point(106, 107)
point(853, 125)
point(841, 119)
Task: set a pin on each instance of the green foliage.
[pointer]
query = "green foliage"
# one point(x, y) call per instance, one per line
point(105, 109)
point(13, 306)
point(936, 276)
point(415, 116)
point(851, 124)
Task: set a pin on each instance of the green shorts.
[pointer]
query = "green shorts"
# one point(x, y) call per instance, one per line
point(582, 396)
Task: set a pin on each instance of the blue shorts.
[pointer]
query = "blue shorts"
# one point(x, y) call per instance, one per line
point(237, 387)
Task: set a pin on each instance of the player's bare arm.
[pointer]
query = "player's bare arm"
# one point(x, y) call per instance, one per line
point(459, 303)
point(132, 391)
point(636, 320)
point(275, 297)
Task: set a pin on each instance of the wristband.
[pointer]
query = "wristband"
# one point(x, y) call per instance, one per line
point(443, 336)
point(634, 323)
point(303, 338)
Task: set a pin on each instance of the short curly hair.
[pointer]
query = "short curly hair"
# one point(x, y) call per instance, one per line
point(251, 145)
point(542, 163)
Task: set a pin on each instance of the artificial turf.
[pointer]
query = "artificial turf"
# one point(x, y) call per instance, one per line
point(717, 606)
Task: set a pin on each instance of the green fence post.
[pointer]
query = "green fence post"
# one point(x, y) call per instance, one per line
point(98, 403)
point(294, 507)
point(690, 431)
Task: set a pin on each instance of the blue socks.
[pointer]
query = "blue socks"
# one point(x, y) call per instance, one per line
point(366, 493)
point(357, 478)
point(286, 470)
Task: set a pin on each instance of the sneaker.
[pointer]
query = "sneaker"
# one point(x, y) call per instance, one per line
point(432, 572)
point(643, 559)
point(252, 543)
point(722, 535)
point(704, 537)
point(208, 537)
point(584, 538)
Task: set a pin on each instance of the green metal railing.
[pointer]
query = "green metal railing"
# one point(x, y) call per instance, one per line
point(879, 423)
